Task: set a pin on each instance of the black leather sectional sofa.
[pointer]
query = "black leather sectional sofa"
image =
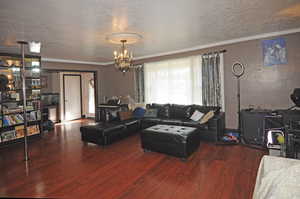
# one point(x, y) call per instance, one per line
point(170, 114)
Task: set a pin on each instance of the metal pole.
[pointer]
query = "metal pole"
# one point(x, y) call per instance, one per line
point(238, 70)
point(239, 104)
point(26, 155)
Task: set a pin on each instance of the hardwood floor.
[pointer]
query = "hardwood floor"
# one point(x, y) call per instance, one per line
point(61, 165)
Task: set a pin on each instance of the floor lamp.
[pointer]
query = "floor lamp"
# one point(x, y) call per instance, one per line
point(34, 47)
point(238, 71)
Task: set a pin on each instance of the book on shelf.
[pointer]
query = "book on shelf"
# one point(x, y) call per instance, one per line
point(32, 130)
point(9, 120)
point(34, 115)
point(18, 132)
point(12, 110)
point(8, 135)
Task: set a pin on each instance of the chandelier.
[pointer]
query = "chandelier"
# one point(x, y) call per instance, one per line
point(123, 58)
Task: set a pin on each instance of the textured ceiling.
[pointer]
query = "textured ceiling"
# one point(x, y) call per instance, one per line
point(76, 29)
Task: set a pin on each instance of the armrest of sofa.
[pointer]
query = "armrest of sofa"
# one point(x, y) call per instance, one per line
point(213, 122)
point(217, 123)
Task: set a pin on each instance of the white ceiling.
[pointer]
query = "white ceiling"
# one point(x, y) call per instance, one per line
point(76, 29)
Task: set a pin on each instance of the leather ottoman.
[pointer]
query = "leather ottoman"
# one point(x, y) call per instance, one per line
point(102, 134)
point(179, 141)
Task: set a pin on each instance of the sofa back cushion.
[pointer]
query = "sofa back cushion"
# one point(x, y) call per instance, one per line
point(180, 111)
point(163, 110)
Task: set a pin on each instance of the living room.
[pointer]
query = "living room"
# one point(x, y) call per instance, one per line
point(138, 99)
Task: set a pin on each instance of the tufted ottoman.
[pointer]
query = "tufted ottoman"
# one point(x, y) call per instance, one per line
point(101, 134)
point(179, 141)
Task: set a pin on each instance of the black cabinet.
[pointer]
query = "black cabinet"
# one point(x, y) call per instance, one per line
point(255, 122)
point(289, 115)
point(252, 125)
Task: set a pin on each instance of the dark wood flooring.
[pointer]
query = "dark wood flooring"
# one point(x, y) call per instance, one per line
point(61, 165)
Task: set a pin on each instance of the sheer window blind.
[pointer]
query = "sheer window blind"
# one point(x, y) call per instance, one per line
point(175, 81)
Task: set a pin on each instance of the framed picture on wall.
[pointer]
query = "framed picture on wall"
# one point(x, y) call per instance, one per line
point(274, 52)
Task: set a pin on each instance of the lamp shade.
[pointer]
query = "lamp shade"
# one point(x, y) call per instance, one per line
point(34, 46)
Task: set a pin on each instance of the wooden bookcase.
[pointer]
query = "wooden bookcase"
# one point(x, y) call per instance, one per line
point(11, 100)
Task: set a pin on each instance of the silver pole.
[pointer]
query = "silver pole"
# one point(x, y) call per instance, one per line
point(26, 155)
point(239, 103)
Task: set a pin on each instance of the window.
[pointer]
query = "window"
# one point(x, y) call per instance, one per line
point(175, 81)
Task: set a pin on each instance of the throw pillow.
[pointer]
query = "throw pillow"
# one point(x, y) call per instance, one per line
point(139, 112)
point(125, 115)
point(207, 117)
point(151, 112)
point(197, 115)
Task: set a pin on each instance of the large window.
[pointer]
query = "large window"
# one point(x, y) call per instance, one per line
point(175, 81)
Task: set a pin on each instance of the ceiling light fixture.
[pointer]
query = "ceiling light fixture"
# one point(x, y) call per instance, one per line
point(123, 58)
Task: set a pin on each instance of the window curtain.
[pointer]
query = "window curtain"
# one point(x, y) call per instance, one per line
point(139, 84)
point(212, 80)
point(175, 81)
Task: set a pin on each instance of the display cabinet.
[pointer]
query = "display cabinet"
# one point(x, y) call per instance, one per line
point(11, 99)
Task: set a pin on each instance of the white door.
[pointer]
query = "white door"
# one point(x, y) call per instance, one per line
point(72, 97)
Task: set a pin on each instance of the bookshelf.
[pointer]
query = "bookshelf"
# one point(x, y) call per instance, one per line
point(11, 100)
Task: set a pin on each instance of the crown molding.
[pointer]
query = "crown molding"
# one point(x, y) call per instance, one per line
point(71, 61)
point(222, 43)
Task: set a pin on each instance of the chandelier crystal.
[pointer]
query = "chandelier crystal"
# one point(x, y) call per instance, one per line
point(123, 58)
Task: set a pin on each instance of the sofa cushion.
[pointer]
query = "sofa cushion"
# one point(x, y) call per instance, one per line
point(147, 122)
point(192, 123)
point(151, 112)
point(126, 122)
point(180, 111)
point(171, 122)
point(205, 109)
point(163, 110)
point(151, 119)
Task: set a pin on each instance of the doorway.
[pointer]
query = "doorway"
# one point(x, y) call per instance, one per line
point(76, 92)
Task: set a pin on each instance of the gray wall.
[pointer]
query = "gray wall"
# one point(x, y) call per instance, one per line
point(53, 84)
point(261, 86)
point(118, 84)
